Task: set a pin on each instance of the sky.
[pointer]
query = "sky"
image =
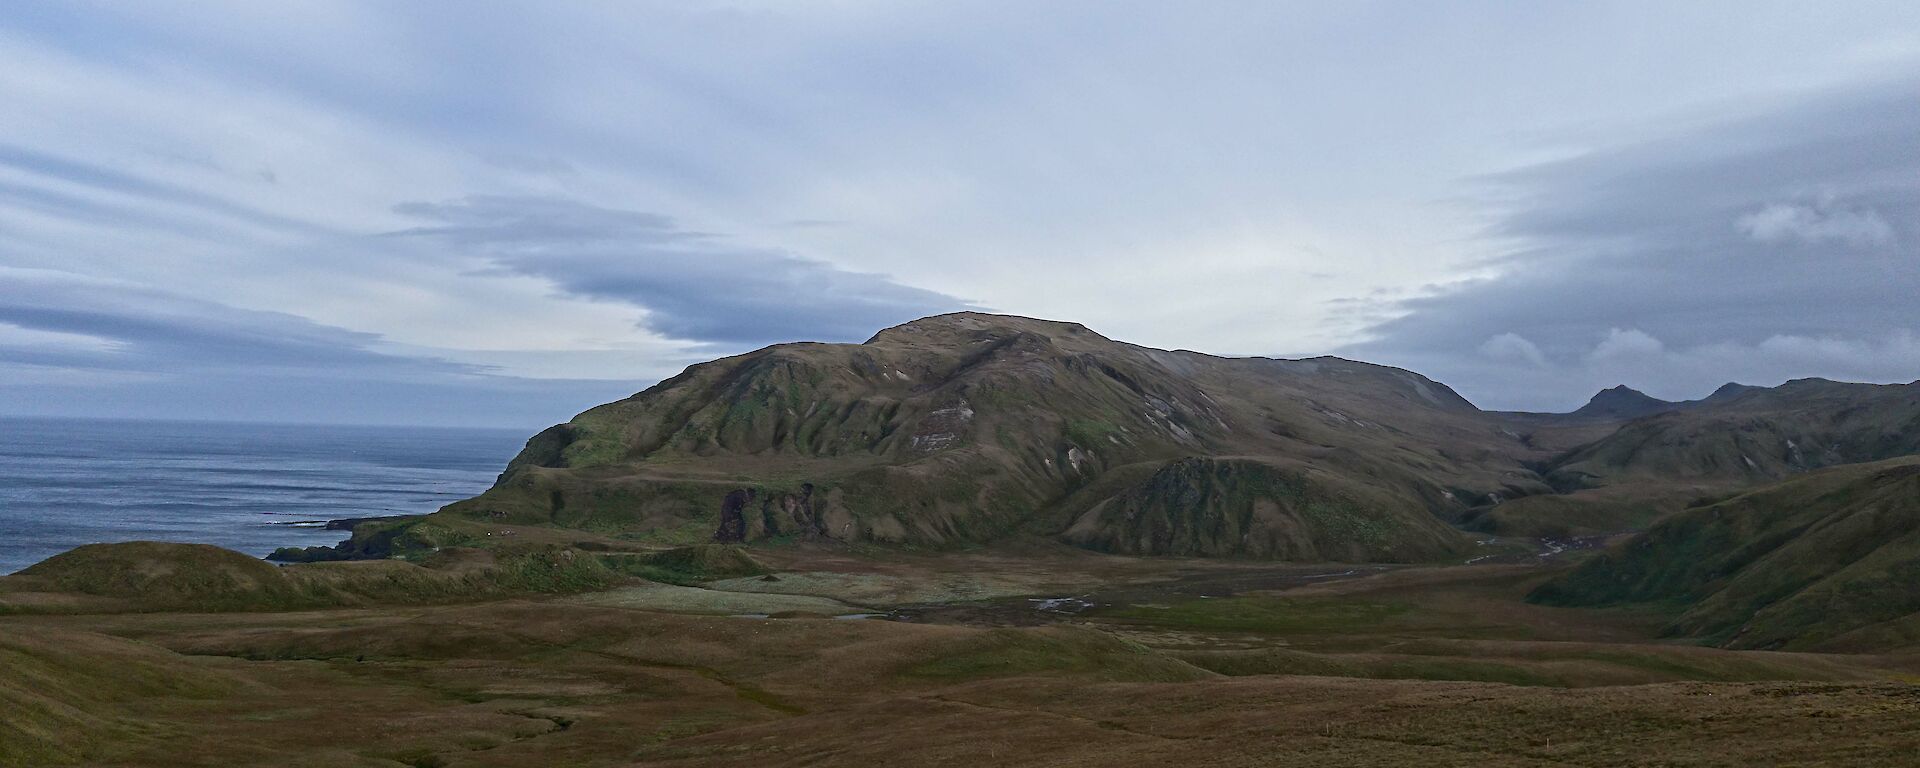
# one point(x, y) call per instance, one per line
point(501, 214)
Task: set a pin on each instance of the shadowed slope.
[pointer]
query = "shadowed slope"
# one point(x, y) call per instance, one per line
point(1826, 559)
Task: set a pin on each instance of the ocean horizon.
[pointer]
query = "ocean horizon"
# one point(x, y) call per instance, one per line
point(250, 487)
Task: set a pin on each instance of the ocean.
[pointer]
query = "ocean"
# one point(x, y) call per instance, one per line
point(247, 487)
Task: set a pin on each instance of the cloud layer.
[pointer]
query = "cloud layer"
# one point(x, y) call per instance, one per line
point(1760, 249)
point(352, 205)
point(693, 286)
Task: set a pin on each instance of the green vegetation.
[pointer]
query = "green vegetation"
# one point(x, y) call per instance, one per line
point(1250, 508)
point(1794, 565)
point(1091, 433)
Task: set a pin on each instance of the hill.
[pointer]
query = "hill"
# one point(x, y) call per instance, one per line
point(1824, 560)
point(1618, 476)
point(969, 427)
point(1622, 402)
point(1756, 436)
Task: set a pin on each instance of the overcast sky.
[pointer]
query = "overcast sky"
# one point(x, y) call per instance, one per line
point(480, 213)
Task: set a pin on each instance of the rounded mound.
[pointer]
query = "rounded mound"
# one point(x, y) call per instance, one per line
point(160, 573)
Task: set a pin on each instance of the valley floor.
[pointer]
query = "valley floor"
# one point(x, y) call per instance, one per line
point(1055, 658)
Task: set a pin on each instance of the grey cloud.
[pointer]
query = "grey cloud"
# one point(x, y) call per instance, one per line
point(81, 173)
point(154, 331)
point(73, 346)
point(695, 286)
point(1740, 245)
point(1815, 224)
point(1513, 346)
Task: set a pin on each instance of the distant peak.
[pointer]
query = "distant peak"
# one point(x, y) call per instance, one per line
point(1622, 392)
point(1622, 401)
point(1731, 389)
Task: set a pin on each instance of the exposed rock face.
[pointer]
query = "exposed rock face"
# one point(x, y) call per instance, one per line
point(747, 514)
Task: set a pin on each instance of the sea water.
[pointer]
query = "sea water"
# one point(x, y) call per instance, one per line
point(247, 487)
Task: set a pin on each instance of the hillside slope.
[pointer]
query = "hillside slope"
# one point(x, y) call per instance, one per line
point(1758, 435)
point(970, 427)
point(1618, 476)
point(1824, 560)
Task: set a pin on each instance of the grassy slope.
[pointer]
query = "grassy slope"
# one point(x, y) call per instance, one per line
point(967, 428)
point(1793, 565)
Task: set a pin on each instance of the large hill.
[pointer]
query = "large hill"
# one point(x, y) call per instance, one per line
point(970, 428)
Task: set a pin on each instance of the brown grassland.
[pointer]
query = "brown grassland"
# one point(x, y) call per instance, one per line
point(1176, 661)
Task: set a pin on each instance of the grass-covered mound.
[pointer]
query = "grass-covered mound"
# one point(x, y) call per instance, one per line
point(165, 575)
point(1825, 560)
point(157, 576)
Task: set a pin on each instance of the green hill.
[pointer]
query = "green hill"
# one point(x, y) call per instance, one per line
point(1826, 560)
point(1754, 436)
point(968, 428)
point(1624, 476)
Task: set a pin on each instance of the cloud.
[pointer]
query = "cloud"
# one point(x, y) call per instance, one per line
point(77, 346)
point(1513, 346)
point(598, 175)
point(1625, 344)
point(111, 325)
point(694, 286)
point(17, 339)
point(1815, 224)
point(1632, 246)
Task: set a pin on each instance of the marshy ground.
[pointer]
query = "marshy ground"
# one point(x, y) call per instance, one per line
point(1013, 657)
